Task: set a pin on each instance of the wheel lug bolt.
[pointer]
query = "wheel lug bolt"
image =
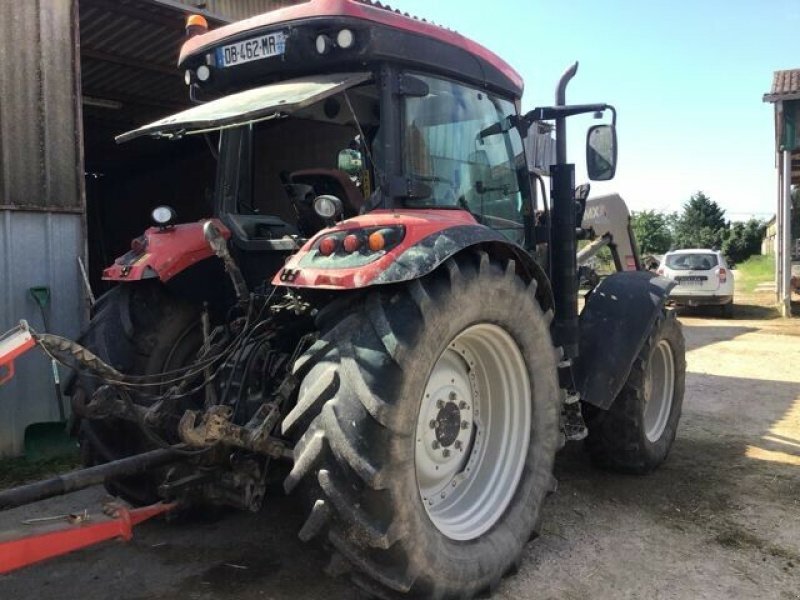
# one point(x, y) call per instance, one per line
point(458, 445)
point(464, 425)
point(453, 396)
point(435, 445)
point(445, 452)
point(440, 404)
point(462, 405)
point(432, 424)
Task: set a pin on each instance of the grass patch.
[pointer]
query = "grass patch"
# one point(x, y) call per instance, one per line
point(755, 270)
point(735, 538)
point(16, 471)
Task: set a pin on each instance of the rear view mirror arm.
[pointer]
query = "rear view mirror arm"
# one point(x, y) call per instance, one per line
point(551, 113)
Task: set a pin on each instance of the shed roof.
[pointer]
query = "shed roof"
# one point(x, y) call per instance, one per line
point(785, 86)
point(129, 53)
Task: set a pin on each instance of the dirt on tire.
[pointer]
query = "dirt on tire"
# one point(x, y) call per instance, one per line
point(356, 427)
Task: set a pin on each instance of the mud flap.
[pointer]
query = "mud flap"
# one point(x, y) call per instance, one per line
point(614, 325)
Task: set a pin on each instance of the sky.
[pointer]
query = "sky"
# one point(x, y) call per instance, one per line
point(686, 77)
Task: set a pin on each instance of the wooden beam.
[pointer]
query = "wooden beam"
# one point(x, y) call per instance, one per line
point(145, 16)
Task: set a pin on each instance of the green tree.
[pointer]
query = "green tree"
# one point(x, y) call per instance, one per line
point(743, 240)
point(652, 231)
point(701, 224)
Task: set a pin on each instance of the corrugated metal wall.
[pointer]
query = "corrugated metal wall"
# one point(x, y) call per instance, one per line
point(36, 248)
point(41, 202)
point(38, 117)
point(237, 9)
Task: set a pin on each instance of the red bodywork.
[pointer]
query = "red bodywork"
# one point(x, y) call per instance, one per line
point(164, 253)
point(418, 224)
point(13, 344)
point(355, 9)
point(19, 552)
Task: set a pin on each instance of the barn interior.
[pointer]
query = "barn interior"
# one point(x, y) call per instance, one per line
point(128, 56)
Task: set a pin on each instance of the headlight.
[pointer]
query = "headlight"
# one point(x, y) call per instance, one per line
point(345, 39)
point(327, 207)
point(323, 43)
point(163, 216)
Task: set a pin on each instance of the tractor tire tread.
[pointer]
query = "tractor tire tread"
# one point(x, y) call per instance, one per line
point(615, 441)
point(339, 463)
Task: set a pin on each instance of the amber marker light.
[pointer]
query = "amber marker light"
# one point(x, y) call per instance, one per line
point(376, 241)
point(196, 25)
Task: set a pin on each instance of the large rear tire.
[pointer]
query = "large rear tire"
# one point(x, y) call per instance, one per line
point(141, 329)
point(410, 499)
point(636, 434)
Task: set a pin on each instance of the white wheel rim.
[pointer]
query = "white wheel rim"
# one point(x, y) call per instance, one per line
point(473, 431)
point(659, 390)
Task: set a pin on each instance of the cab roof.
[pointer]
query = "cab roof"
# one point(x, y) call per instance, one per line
point(364, 10)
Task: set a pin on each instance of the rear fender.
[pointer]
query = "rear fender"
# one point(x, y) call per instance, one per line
point(431, 237)
point(614, 325)
point(163, 253)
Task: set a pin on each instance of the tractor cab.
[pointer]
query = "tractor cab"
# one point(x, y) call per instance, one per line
point(356, 103)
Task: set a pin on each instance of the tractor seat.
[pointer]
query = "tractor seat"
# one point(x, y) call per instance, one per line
point(335, 183)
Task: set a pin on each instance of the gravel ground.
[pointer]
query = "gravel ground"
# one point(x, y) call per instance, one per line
point(721, 519)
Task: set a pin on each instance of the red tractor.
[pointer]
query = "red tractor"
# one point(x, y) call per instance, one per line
point(381, 303)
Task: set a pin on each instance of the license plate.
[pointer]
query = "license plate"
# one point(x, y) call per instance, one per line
point(264, 46)
point(690, 283)
point(691, 279)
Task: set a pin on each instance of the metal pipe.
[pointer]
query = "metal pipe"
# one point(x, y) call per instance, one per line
point(561, 123)
point(563, 244)
point(83, 478)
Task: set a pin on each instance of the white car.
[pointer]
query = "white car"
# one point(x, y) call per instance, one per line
point(703, 277)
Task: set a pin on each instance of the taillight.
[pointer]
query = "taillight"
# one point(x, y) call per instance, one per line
point(327, 245)
point(353, 247)
point(723, 275)
point(351, 243)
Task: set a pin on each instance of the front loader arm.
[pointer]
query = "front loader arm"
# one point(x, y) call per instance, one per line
point(608, 217)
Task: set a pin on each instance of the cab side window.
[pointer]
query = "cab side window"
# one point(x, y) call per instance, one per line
point(449, 146)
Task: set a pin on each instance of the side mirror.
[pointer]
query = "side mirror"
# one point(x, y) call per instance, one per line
point(350, 161)
point(601, 152)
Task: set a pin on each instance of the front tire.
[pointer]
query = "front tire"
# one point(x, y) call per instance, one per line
point(364, 455)
point(636, 433)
